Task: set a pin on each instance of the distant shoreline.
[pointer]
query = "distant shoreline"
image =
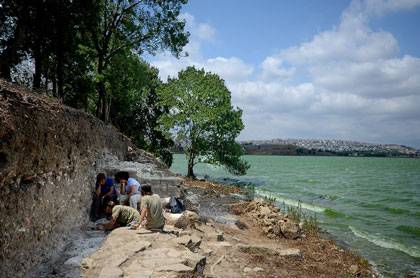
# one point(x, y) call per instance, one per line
point(314, 147)
point(323, 154)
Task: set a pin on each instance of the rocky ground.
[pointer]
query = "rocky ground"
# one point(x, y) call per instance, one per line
point(223, 236)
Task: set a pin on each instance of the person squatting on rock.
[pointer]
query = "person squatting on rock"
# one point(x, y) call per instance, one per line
point(151, 210)
point(122, 216)
point(129, 189)
point(103, 194)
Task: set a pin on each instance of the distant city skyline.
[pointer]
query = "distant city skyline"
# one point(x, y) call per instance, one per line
point(345, 70)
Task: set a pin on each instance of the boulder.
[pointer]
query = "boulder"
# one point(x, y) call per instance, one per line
point(187, 219)
point(290, 230)
point(265, 211)
point(171, 218)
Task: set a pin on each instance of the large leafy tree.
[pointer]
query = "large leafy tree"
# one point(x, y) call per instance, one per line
point(49, 33)
point(202, 119)
point(136, 25)
point(135, 110)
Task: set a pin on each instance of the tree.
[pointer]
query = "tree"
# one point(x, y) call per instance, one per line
point(48, 32)
point(136, 25)
point(132, 84)
point(203, 120)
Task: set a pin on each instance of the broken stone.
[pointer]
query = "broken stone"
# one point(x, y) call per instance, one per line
point(258, 269)
point(265, 211)
point(292, 252)
point(223, 244)
point(220, 237)
point(191, 242)
point(187, 219)
point(354, 269)
point(290, 230)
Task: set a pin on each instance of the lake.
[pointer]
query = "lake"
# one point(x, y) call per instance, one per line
point(370, 205)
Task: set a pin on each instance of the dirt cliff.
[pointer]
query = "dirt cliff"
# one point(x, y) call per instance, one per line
point(49, 156)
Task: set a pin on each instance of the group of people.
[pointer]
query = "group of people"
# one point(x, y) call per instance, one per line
point(126, 203)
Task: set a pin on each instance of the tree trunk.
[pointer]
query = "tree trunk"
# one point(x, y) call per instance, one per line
point(38, 47)
point(190, 173)
point(5, 69)
point(60, 74)
point(59, 51)
point(104, 103)
point(103, 107)
point(54, 86)
point(38, 67)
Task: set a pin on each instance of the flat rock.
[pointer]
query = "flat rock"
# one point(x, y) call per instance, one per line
point(269, 250)
point(289, 252)
point(140, 253)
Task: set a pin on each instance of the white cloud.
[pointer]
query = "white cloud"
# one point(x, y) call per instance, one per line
point(230, 69)
point(349, 82)
point(352, 41)
point(375, 8)
point(202, 31)
point(385, 78)
point(272, 68)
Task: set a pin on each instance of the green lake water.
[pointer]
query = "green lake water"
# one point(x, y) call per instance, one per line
point(370, 205)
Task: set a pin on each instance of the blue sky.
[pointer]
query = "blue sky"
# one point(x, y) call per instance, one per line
point(311, 69)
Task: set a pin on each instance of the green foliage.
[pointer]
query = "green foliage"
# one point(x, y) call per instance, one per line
point(270, 199)
point(311, 224)
point(133, 25)
point(87, 53)
point(134, 110)
point(202, 120)
point(310, 221)
point(294, 213)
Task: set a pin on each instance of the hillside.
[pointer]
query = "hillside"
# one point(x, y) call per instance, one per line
point(326, 148)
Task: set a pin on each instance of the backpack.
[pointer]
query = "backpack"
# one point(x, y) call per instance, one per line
point(176, 205)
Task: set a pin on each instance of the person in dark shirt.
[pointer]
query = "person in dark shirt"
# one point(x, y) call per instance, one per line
point(103, 194)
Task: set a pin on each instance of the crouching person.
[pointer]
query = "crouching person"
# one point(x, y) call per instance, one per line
point(103, 194)
point(122, 216)
point(151, 209)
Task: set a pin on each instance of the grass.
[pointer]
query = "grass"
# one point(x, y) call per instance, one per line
point(270, 199)
point(310, 221)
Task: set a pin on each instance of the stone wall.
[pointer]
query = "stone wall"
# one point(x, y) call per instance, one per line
point(49, 157)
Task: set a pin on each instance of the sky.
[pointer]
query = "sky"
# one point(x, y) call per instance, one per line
point(325, 69)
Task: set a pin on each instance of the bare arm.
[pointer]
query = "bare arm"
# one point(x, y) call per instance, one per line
point(132, 190)
point(109, 225)
point(143, 214)
point(122, 189)
point(98, 190)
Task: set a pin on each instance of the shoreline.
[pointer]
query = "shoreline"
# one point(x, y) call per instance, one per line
point(365, 268)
